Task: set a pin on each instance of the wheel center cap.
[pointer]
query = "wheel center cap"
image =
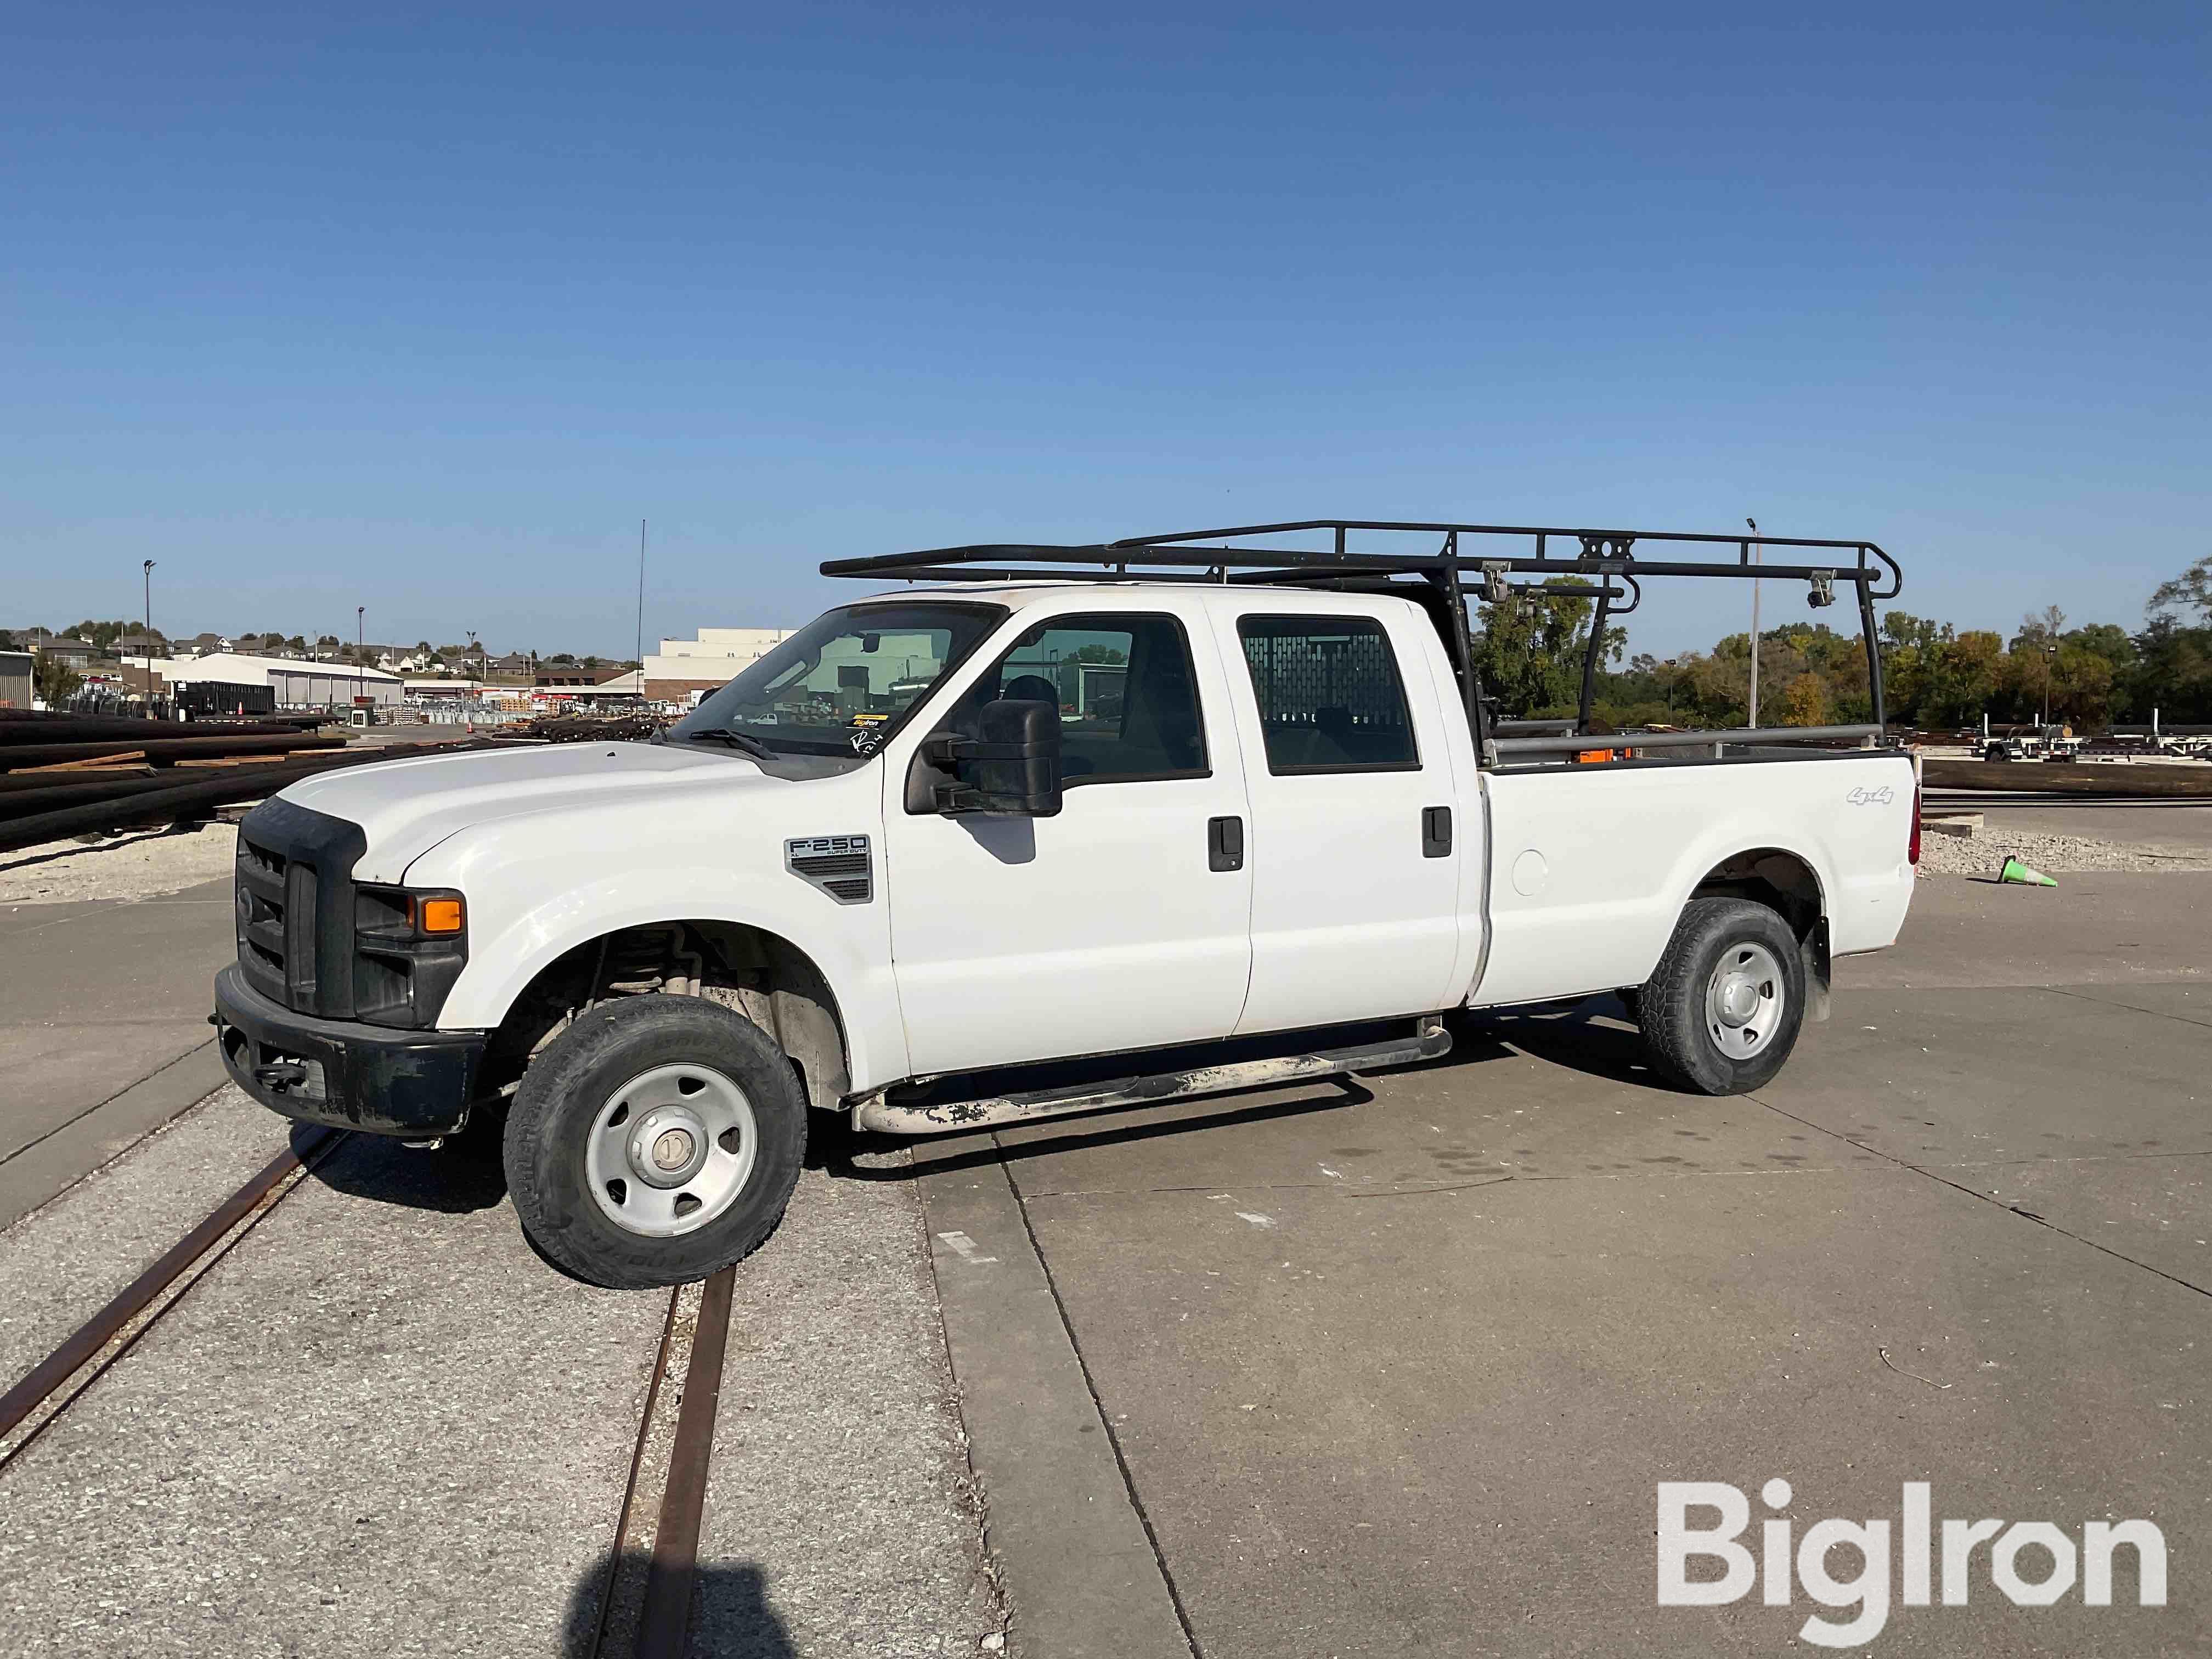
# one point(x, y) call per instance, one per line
point(668, 1146)
point(1739, 1001)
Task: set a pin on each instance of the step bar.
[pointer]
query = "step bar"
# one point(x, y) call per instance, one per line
point(1428, 1041)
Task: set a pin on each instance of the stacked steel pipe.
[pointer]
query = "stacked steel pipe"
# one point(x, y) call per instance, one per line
point(62, 776)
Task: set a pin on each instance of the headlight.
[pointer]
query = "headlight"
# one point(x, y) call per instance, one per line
point(409, 948)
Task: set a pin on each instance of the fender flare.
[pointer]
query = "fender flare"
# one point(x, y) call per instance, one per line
point(501, 969)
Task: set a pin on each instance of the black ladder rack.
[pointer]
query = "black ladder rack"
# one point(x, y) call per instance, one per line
point(1228, 556)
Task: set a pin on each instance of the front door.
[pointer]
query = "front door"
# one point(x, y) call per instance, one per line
point(1108, 926)
point(1356, 911)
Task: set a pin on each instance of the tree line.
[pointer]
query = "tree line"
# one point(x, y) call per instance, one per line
point(1933, 676)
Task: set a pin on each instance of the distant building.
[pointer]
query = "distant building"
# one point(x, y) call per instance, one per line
point(448, 690)
point(298, 683)
point(586, 688)
point(568, 674)
point(76, 653)
point(715, 658)
point(15, 680)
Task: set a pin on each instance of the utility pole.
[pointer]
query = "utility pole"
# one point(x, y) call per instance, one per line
point(2050, 652)
point(360, 651)
point(641, 607)
point(148, 640)
point(1756, 551)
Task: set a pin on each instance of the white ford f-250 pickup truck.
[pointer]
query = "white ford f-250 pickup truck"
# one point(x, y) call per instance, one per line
point(1042, 836)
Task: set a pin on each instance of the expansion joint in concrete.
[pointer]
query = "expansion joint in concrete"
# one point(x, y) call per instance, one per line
point(1985, 1198)
point(1105, 1421)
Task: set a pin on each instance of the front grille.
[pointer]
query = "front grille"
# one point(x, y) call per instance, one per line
point(838, 865)
point(261, 899)
point(293, 898)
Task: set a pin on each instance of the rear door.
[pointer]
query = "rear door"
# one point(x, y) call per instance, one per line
point(1119, 923)
point(1357, 845)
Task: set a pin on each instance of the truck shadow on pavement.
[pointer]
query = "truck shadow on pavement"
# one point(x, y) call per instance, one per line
point(458, 1178)
point(731, 1614)
point(1569, 1036)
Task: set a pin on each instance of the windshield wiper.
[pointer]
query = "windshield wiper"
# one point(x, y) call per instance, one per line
point(737, 740)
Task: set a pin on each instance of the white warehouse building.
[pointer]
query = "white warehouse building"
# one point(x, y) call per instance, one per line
point(715, 658)
point(297, 681)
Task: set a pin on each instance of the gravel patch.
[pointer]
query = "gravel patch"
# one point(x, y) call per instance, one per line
point(141, 864)
point(1984, 852)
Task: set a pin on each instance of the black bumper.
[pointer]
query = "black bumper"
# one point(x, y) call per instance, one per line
point(341, 1072)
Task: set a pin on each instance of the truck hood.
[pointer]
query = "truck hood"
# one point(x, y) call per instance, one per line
point(407, 806)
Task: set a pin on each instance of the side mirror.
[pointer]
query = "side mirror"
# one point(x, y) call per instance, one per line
point(1010, 766)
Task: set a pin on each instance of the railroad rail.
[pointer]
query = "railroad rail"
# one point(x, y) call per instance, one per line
point(109, 1335)
point(660, 1628)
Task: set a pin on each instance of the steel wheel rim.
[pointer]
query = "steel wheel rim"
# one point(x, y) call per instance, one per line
point(1745, 999)
point(671, 1150)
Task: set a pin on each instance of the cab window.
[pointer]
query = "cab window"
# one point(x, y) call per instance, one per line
point(1125, 689)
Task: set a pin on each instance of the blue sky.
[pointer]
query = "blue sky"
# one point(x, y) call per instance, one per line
point(423, 310)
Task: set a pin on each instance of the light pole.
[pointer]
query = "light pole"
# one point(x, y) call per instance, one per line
point(360, 652)
point(148, 640)
point(2050, 654)
point(1755, 552)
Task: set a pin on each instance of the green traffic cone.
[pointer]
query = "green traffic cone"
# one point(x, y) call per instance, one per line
point(2015, 871)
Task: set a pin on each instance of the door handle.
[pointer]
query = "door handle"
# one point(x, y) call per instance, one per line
point(1225, 844)
point(1436, 832)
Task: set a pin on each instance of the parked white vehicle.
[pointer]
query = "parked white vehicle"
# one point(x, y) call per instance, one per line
point(982, 852)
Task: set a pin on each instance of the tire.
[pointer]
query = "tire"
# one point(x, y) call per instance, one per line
point(1722, 1009)
point(731, 1117)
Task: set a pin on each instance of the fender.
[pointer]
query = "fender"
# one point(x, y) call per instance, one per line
point(517, 945)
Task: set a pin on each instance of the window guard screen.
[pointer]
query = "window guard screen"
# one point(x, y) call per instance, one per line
point(1329, 695)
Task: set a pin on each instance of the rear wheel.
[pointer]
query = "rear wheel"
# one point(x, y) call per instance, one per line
point(654, 1141)
point(1721, 1011)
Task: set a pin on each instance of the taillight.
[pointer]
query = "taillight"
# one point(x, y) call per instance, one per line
point(1912, 845)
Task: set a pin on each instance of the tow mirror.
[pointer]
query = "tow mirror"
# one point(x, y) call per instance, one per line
point(1010, 766)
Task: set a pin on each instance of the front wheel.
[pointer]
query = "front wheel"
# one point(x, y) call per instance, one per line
point(1721, 1011)
point(654, 1142)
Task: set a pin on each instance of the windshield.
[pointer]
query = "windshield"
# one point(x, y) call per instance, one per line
point(843, 684)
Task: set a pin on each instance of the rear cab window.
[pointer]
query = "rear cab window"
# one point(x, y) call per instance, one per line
point(1330, 696)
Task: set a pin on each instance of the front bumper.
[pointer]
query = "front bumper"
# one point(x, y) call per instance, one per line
point(341, 1072)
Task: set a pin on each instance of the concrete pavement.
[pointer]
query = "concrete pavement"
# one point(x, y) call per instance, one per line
point(1397, 1369)
point(103, 1030)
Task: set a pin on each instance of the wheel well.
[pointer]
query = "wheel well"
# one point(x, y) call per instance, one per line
point(758, 974)
point(1786, 885)
point(1781, 881)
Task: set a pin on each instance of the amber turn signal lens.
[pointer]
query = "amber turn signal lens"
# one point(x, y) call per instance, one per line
point(441, 916)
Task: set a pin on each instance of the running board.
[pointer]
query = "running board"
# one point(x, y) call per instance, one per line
point(1429, 1041)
